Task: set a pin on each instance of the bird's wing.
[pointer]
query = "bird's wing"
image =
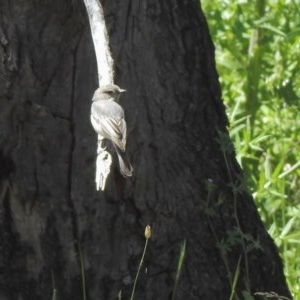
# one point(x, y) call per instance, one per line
point(123, 128)
point(109, 122)
point(115, 129)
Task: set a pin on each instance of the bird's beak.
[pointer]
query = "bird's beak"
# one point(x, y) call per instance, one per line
point(122, 91)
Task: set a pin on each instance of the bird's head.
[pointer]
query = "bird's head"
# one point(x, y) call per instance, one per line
point(108, 91)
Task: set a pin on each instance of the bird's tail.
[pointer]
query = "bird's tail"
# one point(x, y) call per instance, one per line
point(125, 166)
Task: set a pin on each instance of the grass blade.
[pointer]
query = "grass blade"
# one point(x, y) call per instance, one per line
point(179, 267)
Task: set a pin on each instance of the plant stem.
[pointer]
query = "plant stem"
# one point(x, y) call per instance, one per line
point(139, 269)
point(82, 273)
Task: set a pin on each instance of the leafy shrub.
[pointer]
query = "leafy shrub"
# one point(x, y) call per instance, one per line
point(257, 53)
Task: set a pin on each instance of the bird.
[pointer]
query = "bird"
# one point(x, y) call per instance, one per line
point(108, 120)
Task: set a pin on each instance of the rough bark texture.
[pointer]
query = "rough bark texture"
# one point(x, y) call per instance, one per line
point(49, 209)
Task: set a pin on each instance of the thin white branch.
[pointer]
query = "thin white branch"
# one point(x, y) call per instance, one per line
point(105, 76)
point(101, 41)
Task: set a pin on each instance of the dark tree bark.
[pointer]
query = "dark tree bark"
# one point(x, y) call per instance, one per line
point(187, 184)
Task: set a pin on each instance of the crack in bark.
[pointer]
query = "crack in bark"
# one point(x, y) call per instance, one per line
point(70, 200)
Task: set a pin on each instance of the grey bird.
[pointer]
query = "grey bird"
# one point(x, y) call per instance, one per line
point(107, 118)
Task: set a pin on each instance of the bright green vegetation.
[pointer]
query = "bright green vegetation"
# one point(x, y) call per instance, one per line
point(258, 59)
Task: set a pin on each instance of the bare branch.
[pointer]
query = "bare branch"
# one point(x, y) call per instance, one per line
point(105, 76)
point(101, 42)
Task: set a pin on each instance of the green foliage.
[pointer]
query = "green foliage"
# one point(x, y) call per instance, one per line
point(257, 53)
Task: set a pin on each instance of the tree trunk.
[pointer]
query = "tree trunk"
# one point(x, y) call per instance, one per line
point(59, 237)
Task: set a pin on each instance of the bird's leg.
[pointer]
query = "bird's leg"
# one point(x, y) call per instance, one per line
point(101, 145)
